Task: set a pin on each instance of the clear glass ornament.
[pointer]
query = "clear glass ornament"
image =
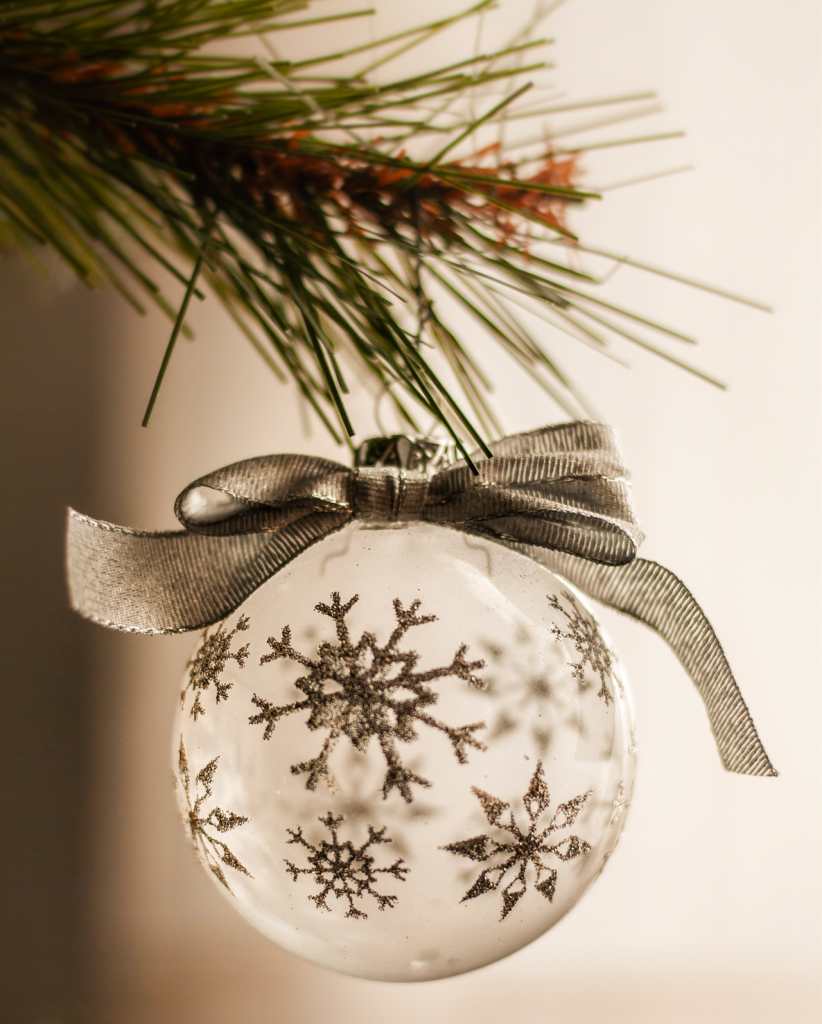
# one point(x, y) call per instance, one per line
point(408, 754)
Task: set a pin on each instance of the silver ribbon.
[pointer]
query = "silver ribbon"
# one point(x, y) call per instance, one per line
point(559, 494)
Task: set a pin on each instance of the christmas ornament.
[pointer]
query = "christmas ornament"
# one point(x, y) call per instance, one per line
point(424, 736)
point(410, 750)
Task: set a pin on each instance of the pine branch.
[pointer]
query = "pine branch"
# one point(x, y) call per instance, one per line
point(118, 124)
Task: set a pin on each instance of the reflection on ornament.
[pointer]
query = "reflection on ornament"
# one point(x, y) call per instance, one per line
point(458, 692)
point(621, 801)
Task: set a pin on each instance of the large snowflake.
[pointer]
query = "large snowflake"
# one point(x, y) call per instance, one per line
point(584, 634)
point(361, 690)
point(209, 662)
point(343, 870)
point(212, 850)
point(521, 848)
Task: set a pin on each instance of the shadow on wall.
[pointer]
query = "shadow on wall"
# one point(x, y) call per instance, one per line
point(49, 418)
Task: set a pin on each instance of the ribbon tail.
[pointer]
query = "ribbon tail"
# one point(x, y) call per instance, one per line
point(653, 594)
point(178, 581)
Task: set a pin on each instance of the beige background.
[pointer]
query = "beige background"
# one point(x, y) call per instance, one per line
point(709, 910)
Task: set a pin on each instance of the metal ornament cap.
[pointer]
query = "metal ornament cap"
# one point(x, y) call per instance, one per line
point(413, 452)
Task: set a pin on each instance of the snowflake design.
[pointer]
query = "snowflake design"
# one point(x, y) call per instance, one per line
point(356, 803)
point(535, 696)
point(211, 850)
point(355, 690)
point(209, 662)
point(522, 848)
point(343, 870)
point(584, 634)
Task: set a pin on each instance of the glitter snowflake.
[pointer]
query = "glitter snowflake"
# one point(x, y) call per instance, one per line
point(363, 690)
point(584, 634)
point(211, 850)
point(343, 870)
point(519, 849)
point(209, 662)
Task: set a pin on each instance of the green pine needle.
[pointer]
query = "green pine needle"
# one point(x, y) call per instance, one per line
point(289, 190)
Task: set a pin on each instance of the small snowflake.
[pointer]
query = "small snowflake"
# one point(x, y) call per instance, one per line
point(343, 870)
point(209, 662)
point(584, 634)
point(354, 690)
point(211, 850)
point(523, 848)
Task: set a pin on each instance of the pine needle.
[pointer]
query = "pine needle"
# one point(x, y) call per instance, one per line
point(289, 189)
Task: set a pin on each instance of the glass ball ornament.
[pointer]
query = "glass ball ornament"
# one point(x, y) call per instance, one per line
point(406, 755)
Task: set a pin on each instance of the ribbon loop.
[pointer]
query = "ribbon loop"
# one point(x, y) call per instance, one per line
point(560, 493)
point(263, 495)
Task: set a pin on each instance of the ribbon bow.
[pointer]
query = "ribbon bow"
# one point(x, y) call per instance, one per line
point(559, 494)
